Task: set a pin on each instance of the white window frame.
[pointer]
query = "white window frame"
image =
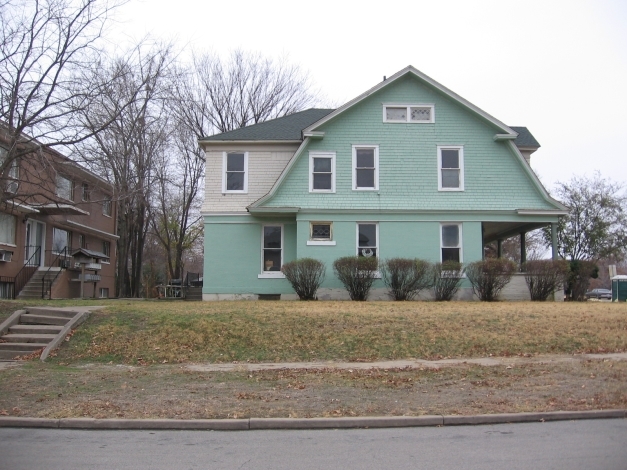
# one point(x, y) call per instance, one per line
point(376, 167)
point(58, 188)
point(460, 149)
point(272, 274)
point(331, 156)
point(225, 156)
point(5, 218)
point(318, 241)
point(102, 291)
point(376, 224)
point(68, 240)
point(104, 251)
point(461, 240)
point(408, 107)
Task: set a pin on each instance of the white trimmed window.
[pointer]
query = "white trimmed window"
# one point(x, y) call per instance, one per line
point(410, 113)
point(104, 292)
point(368, 239)
point(366, 167)
point(65, 188)
point(13, 173)
point(451, 242)
point(320, 233)
point(321, 172)
point(272, 251)
point(235, 172)
point(451, 168)
point(7, 229)
point(81, 241)
point(85, 195)
point(60, 239)
point(106, 248)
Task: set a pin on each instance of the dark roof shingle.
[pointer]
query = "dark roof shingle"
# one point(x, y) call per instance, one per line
point(525, 138)
point(283, 128)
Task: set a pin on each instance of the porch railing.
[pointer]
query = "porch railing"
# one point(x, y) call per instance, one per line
point(27, 271)
point(58, 261)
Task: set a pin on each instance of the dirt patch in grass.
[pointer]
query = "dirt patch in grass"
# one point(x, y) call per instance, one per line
point(180, 332)
point(101, 391)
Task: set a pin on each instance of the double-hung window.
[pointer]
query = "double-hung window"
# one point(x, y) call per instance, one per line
point(65, 188)
point(13, 173)
point(7, 229)
point(366, 167)
point(85, 193)
point(321, 172)
point(412, 113)
point(451, 168)
point(107, 204)
point(272, 251)
point(451, 242)
point(368, 239)
point(235, 172)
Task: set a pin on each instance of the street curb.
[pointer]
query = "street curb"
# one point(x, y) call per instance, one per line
point(304, 423)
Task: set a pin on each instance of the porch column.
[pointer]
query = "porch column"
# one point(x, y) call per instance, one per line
point(554, 241)
point(499, 248)
point(523, 249)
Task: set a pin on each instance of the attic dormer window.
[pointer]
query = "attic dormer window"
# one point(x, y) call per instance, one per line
point(412, 114)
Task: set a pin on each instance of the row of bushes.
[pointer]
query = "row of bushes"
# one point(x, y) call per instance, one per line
point(406, 278)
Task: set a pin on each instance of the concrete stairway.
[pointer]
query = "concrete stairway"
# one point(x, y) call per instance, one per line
point(36, 328)
point(32, 289)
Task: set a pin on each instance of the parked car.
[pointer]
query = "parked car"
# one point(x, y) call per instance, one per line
point(599, 294)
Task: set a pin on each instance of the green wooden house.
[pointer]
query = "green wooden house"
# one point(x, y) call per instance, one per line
point(406, 169)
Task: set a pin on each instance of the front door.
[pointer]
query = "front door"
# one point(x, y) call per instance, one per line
point(35, 237)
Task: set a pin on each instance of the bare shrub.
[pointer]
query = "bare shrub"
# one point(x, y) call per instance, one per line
point(405, 278)
point(357, 273)
point(488, 277)
point(305, 275)
point(446, 278)
point(544, 276)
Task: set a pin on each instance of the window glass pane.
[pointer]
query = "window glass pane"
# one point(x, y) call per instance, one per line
point(64, 187)
point(450, 178)
point(235, 181)
point(365, 178)
point(7, 228)
point(106, 206)
point(367, 235)
point(450, 158)
point(272, 236)
point(396, 114)
point(420, 114)
point(365, 158)
point(271, 260)
point(60, 239)
point(235, 162)
point(450, 235)
point(321, 231)
point(322, 181)
point(322, 165)
point(450, 254)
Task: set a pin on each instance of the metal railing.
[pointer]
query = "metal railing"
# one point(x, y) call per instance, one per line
point(30, 267)
point(58, 261)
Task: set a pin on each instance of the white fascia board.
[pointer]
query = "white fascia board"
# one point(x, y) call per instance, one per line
point(218, 143)
point(20, 208)
point(281, 177)
point(409, 69)
point(534, 178)
point(314, 134)
point(92, 230)
point(540, 212)
point(274, 210)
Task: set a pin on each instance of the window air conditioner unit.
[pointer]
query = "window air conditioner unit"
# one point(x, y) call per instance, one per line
point(65, 263)
point(5, 255)
point(11, 186)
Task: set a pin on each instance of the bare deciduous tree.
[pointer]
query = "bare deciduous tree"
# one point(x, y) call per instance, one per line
point(45, 45)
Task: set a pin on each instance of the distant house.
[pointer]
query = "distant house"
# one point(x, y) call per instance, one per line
point(51, 208)
point(407, 169)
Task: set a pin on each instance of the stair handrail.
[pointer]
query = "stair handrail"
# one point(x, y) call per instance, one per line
point(43, 279)
point(23, 275)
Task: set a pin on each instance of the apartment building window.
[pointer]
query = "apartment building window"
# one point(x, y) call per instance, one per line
point(81, 241)
point(85, 192)
point(106, 249)
point(65, 188)
point(61, 239)
point(7, 229)
point(107, 206)
point(104, 292)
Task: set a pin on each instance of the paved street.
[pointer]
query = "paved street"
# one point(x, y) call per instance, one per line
point(572, 445)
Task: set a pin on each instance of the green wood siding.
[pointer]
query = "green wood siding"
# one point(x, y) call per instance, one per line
point(408, 174)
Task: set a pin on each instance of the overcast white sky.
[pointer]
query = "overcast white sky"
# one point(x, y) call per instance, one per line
point(557, 67)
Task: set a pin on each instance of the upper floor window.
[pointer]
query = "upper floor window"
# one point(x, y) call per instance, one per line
point(451, 168)
point(368, 239)
point(235, 172)
point(85, 192)
point(107, 206)
point(451, 242)
point(413, 114)
point(82, 243)
point(65, 188)
point(366, 167)
point(106, 250)
point(12, 172)
point(322, 172)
